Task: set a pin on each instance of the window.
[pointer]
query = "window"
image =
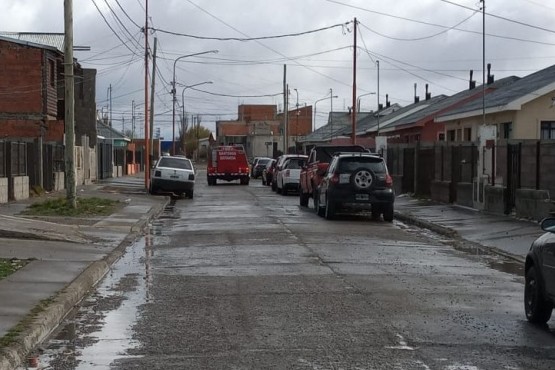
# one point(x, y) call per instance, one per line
point(547, 130)
point(468, 134)
point(441, 136)
point(451, 135)
point(506, 130)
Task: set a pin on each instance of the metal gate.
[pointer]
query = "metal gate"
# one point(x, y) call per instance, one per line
point(513, 175)
point(408, 170)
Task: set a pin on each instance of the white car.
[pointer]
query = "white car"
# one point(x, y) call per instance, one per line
point(173, 174)
point(289, 175)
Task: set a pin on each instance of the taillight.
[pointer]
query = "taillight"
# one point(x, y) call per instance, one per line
point(211, 169)
point(388, 181)
point(334, 179)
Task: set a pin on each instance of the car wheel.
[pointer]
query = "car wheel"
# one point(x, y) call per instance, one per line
point(329, 213)
point(263, 181)
point(538, 310)
point(388, 212)
point(274, 186)
point(376, 212)
point(303, 198)
point(320, 211)
point(190, 194)
point(362, 178)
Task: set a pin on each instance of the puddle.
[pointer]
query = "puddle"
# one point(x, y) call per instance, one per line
point(99, 331)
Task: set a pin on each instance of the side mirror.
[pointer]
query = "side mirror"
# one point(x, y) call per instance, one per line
point(548, 224)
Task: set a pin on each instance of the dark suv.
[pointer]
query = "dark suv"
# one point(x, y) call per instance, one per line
point(539, 288)
point(356, 181)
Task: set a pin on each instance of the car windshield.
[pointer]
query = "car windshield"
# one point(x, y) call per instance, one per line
point(170, 162)
point(348, 165)
point(262, 162)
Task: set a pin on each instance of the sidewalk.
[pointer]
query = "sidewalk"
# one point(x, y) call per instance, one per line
point(502, 234)
point(70, 255)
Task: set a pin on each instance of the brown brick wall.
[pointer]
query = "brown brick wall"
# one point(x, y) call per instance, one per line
point(24, 129)
point(256, 112)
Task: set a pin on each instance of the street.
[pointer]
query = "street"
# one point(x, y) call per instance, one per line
point(243, 278)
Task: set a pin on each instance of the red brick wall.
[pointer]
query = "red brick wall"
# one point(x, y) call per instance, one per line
point(19, 129)
point(300, 124)
point(256, 112)
point(20, 78)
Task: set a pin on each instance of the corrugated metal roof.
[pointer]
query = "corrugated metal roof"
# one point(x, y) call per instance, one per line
point(52, 40)
point(108, 132)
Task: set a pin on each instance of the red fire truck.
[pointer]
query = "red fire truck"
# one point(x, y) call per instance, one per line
point(227, 162)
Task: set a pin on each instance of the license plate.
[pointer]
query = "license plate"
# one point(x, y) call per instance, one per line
point(174, 177)
point(361, 196)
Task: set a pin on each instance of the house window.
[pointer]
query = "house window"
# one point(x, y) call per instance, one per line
point(451, 135)
point(506, 130)
point(52, 72)
point(547, 130)
point(441, 136)
point(468, 134)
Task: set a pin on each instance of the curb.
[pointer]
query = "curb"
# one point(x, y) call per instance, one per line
point(451, 233)
point(44, 323)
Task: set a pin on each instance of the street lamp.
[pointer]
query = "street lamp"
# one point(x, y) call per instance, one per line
point(360, 96)
point(173, 91)
point(183, 103)
point(325, 98)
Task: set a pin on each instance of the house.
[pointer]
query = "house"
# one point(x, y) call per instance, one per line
point(32, 114)
point(112, 148)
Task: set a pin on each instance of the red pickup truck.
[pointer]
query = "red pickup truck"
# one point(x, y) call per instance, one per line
point(317, 164)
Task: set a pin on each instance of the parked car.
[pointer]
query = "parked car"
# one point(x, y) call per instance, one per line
point(258, 166)
point(353, 182)
point(539, 288)
point(279, 166)
point(173, 174)
point(288, 178)
point(268, 172)
point(227, 162)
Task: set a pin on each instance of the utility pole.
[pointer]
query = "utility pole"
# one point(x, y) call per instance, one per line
point(331, 115)
point(297, 125)
point(378, 95)
point(69, 119)
point(285, 110)
point(110, 102)
point(132, 119)
point(353, 109)
point(146, 153)
point(152, 100)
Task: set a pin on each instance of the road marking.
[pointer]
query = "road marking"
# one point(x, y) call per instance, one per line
point(402, 344)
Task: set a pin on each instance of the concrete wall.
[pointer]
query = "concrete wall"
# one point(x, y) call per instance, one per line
point(3, 190)
point(59, 181)
point(440, 191)
point(464, 194)
point(19, 187)
point(534, 204)
point(494, 199)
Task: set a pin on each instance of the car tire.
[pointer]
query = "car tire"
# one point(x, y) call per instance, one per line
point(320, 211)
point(388, 212)
point(190, 194)
point(376, 212)
point(263, 181)
point(244, 181)
point(274, 186)
point(303, 198)
point(538, 309)
point(363, 178)
point(329, 212)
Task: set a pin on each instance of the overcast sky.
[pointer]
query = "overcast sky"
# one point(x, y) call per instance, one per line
point(434, 42)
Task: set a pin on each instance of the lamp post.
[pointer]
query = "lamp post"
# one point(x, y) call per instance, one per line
point(297, 124)
point(183, 102)
point(173, 91)
point(360, 96)
point(314, 120)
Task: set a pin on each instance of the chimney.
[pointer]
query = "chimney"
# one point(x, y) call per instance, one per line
point(428, 94)
point(380, 107)
point(387, 102)
point(471, 82)
point(416, 98)
point(490, 76)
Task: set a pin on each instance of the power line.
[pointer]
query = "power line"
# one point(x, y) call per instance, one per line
point(251, 38)
point(127, 15)
point(236, 96)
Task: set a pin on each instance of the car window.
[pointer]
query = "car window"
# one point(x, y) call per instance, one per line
point(262, 162)
point(170, 162)
point(350, 164)
point(295, 163)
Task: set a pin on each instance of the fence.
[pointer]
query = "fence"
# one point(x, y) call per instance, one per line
point(448, 172)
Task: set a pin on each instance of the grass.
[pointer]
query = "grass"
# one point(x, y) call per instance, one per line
point(9, 266)
point(85, 207)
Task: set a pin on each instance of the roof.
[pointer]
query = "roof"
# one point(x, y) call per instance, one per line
point(36, 39)
point(106, 132)
point(338, 122)
point(510, 96)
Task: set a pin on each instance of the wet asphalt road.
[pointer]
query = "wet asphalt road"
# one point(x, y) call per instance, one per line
point(243, 278)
